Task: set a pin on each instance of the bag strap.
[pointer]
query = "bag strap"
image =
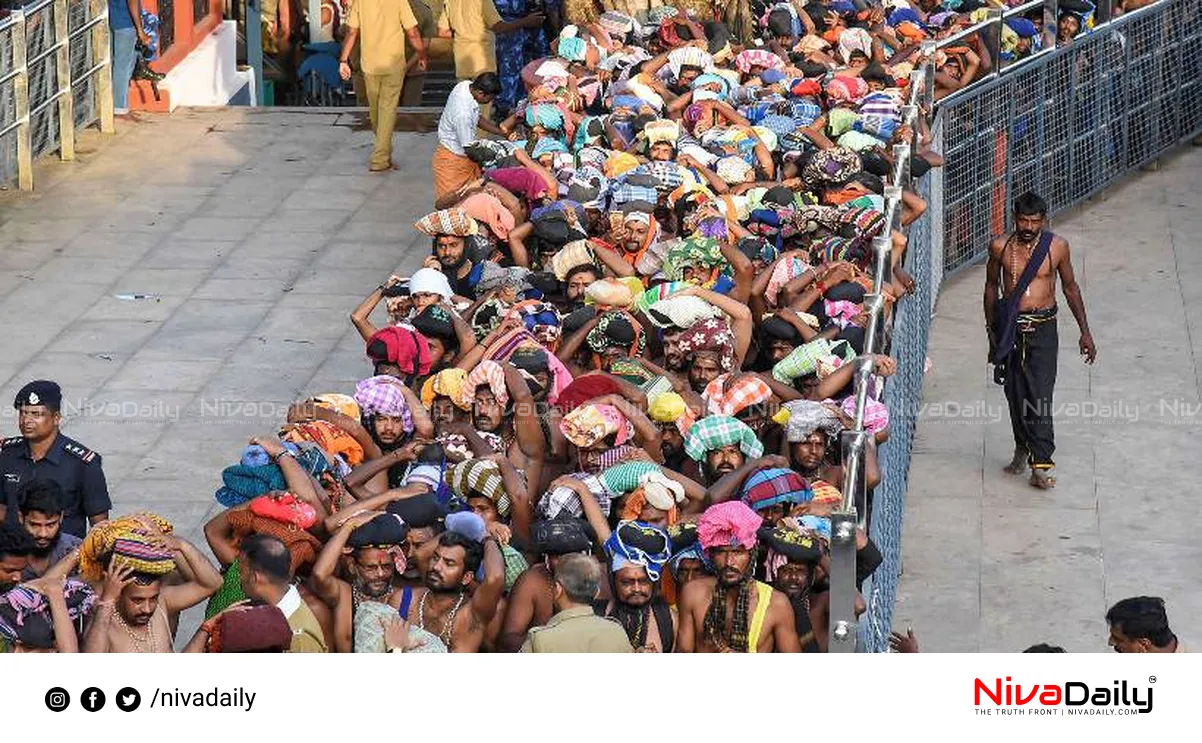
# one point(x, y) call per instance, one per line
point(663, 622)
point(1028, 275)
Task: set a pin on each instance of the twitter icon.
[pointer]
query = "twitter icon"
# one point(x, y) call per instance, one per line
point(128, 699)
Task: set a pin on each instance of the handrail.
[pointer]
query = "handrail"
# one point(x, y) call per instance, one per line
point(852, 512)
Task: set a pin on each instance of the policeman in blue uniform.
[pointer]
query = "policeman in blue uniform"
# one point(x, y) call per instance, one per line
point(42, 452)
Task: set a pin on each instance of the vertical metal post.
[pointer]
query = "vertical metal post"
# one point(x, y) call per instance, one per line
point(103, 54)
point(843, 625)
point(62, 63)
point(1051, 16)
point(993, 38)
point(21, 104)
point(254, 47)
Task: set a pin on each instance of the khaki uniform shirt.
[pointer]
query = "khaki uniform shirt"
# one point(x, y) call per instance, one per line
point(381, 25)
point(471, 21)
point(578, 630)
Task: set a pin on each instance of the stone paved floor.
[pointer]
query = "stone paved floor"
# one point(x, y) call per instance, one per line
point(258, 231)
point(991, 564)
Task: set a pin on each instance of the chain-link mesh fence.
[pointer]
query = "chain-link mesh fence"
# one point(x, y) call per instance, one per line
point(43, 46)
point(8, 104)
point(1070, 123)
point(1066, 125)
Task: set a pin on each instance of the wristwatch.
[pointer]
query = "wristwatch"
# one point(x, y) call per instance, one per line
point(285, 453)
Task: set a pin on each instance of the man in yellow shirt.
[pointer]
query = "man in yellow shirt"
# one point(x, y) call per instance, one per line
point(472, 23)
point(380, 27)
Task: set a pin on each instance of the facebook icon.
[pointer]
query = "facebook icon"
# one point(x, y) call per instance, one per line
point(92, 699)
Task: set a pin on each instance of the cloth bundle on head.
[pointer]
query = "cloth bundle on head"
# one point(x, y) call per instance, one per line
point(285, 508)
point(402, 346)
point(541, 319)
point(560, 536)
point(339, 403)
point(385, 530)
point(803, 360)
point(698, 252)
point(480, 478)
point(662, 130)
point(564, 503)
point(657, 490)
point(670, 407)
point(770, 487)
point(507, 345)
point(251, 629)
point(25, 616)
point(609, 293)
point(845, 89)
point(486, 208)
point(494, 277)
point(587, 425)
point(242, 483)
point(717, 431)
point(584, 389)
point(729, 394)
point(447, 222)
point(729, 524)
point(617, 330)
point(382, 395)
point(734, 170)
point(302, 546)
point(430, 281)
point(835, 165)
point(138, 548)
point(688, 56)
point(637, 543)
point(749, 58)
point(680, 312)
point(854, 40)
point(658, 293)
point(435, 322)
point(329, 437)
point(807, 416)
point(825, 493)
point(876, 415)
point(420, 511)
point(446, 383)
point(788, 545)
point(713, 336)
point(572, 254)
point(546, 115)
point(625, 477)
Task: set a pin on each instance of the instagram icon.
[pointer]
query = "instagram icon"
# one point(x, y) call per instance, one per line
point(57, 699)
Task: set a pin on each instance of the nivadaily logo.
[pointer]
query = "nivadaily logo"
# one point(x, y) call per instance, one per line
point(1071, 697)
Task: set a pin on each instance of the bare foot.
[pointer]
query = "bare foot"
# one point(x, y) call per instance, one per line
point(1043, 479)
point(1018, 464)
point(385, 169)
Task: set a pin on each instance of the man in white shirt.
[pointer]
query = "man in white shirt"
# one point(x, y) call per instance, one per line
point(451, 166)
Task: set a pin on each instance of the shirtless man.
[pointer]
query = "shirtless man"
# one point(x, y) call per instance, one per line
point(453, 605)
point(1023, 340)
point(711, 618)
point(373, 573)
point(131, 615)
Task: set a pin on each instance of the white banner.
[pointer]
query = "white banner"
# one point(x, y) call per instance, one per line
point(601, 697)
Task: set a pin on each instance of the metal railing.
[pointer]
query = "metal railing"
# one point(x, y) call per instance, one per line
point(1064, 122)
point(54, 79)
point(853, 513)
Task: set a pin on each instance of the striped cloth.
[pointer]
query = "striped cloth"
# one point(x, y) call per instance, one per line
point(447, 222)
point(770, 487)
point(480, 477)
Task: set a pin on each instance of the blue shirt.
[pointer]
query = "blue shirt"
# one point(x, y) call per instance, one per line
point(119, 16)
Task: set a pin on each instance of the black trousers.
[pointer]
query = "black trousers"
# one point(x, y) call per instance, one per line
point(1030, 379)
